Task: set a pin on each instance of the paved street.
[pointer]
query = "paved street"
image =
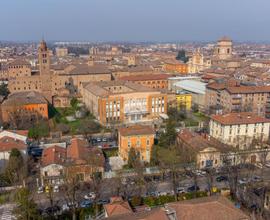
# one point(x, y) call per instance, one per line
point(6, 212)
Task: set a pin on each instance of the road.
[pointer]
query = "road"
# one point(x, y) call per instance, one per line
point(6, 212)
point(111, 187)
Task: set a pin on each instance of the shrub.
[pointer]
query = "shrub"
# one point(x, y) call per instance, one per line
point(136, 201)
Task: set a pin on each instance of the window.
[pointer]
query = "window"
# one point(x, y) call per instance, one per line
point(129, 143)
point(138, 143)
point(148, 142)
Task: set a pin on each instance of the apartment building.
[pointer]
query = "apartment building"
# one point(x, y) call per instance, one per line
point(239, 129)
point(237, 98)
point(125, 102)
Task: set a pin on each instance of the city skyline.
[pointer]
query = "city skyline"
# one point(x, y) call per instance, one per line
point(140, 21)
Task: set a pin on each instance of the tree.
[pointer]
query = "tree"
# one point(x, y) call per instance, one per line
point(89, 127)
point(15, 170)
point(26, 207)
point(64, 128)
point(169, 137)
point(4, 90)
point(232, 170)
point(182, 56)
point(39, 130)
point(71, 189)
point(74, 102)
point(171, 160)
point(133, 157)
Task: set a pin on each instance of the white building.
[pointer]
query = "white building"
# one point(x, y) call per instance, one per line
point(239, 129)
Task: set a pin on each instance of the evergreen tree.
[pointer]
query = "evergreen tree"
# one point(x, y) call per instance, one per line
point(182, 56)
point(15, 169)
point(4, 90)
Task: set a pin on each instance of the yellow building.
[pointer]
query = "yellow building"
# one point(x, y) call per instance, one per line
point(141, 138)
point(183, 101)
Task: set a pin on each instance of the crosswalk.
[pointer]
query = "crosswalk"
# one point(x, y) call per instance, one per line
point(6, 212)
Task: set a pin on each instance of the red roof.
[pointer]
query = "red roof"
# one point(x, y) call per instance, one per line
point(8, 143)
point(79, 152)
point(117, 207)
point(53, 155)
point(239, 118)
point(146, 77)
point(248, 89)
point(136, 130)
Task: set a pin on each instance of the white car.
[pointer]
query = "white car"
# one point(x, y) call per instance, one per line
point(56, 189)
point(90, 196)
point(243, 181)
point(181, 190)
point(40, 190)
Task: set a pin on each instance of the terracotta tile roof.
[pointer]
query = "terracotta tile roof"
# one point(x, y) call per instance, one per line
point(19, 62)
point(117, 207)
point(153, 214)
point(208, 208)
point(101, 88)
point(222, 85)
point(247, 89)
point(146, 77)
point(79, 152)
point(136, 130)
point(198, 142)
point(239, 118)
point(25, 98)
point(8, 143)
point(84, 69)
point(53, 155)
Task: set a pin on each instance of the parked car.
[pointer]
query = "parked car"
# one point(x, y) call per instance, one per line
point(243, 181)
point(193, 188)
point(86, 203)
point(40, 190)
point(90, 196)
point(221, 178)
point(56, 189)
point(35, 152)
point(256, 179)
point(180, 190)
point(103, 201)
point(161, 193)
point(53, 210)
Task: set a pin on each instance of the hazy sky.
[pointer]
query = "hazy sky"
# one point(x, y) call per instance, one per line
point(135, 20)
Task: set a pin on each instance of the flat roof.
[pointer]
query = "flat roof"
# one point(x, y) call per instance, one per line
point(192, 86)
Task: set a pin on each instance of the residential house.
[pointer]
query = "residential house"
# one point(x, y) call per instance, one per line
point(141, 138)
point(9, 140)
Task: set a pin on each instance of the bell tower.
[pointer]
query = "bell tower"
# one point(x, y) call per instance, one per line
point(43, 58)
point(44, 70)
point(224, 48)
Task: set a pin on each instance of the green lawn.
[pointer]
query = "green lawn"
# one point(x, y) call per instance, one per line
point(200, 116)
point(62, 113)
